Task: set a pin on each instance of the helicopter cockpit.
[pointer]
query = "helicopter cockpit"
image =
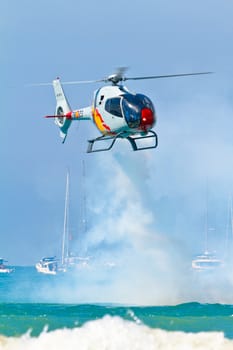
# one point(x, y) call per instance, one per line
point(137, 109)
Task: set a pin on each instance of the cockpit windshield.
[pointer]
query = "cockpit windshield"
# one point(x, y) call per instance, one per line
point(132, 106)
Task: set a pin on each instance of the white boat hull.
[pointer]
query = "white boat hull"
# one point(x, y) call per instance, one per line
point(6, 270)
point(45, 269)
point(206, 262)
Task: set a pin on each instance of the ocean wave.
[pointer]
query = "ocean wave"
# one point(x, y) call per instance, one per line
point(114, 333)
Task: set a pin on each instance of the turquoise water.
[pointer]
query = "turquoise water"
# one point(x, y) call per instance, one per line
point(17, 318)
point(33, 311)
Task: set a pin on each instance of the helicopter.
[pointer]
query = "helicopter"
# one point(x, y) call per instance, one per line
point(116, 112)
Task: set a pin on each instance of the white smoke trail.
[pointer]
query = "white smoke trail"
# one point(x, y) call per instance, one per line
point(145, 212)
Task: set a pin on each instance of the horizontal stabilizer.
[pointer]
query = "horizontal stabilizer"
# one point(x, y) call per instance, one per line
point(55, 116)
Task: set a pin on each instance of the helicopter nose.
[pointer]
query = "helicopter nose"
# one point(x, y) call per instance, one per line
point(147, 119)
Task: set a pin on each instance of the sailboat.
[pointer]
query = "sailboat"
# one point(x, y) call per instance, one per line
point(49, 265)
point(207, 261)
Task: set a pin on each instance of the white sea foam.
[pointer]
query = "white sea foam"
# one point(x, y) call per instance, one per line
point(114, 333)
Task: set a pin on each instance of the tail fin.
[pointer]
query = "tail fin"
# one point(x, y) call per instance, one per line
point(62, 108)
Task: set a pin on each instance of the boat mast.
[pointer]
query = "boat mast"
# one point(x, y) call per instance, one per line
point(84, 204)
point(206, 221)
point(229, 228)
point(66, 219)
point(231, 216)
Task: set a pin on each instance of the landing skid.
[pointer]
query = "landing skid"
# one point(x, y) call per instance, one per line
point(131, 139)
point(134, 145)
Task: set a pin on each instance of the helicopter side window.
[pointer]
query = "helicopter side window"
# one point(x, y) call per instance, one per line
point(113, 106)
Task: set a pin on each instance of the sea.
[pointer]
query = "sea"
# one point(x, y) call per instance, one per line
point(40, 312)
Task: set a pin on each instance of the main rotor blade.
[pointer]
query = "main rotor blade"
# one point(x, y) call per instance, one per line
point(165, 76)
point(81, 82)
point(38, 84)
point(67, 82)
point(116, 78)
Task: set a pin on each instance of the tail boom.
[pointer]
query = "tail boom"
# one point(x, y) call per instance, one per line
point(79, 114)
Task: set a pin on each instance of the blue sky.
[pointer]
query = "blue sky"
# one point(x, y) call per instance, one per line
point(134, 199)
